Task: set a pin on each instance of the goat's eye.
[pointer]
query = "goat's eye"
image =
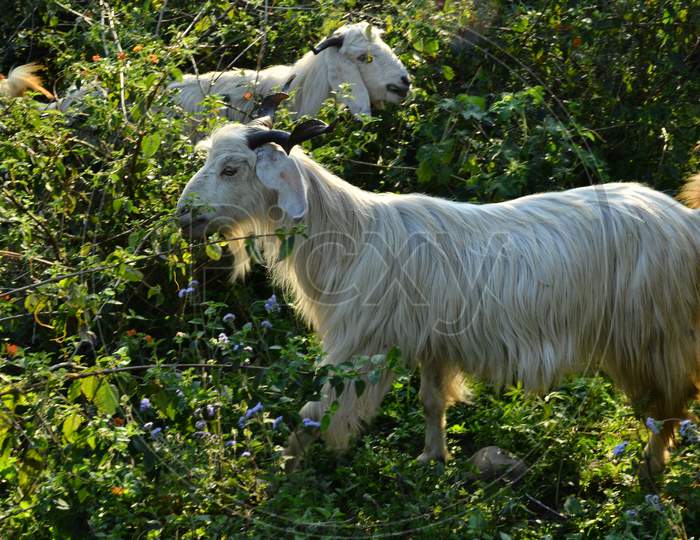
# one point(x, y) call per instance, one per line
point(229, 171)
point(365, 58)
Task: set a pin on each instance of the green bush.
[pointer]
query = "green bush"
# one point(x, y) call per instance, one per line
point(125, 386)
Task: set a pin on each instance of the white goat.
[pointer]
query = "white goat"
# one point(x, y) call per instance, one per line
point(528, 290)
point(21, 79)
point(355, 54)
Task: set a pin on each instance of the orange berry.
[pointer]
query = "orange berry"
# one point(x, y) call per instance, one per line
point(96, 58)
point(248, 96)
point(131, 332)
point(152, 58)
point(149, 339)
point(121, 56)
point(118, 421)
point(576, 42)
point(118, 490)
point(11, 349)
point(137, 48)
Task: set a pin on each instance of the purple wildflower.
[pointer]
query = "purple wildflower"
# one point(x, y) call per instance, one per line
point(200, 425)
point(271, 304)
point(619, 449)
point(211, 411)
point(276, 422)
point(653, 501)
point(266, 324)
point(311, 423)
point(229, 318)
point(155, 432)
point(228, 444)
point(653, 425)
point(192, 284)
point(184, 292)
point(145, 404)
point(223, 339)
point(685, 427)
point(241, 422)
point(250, 412)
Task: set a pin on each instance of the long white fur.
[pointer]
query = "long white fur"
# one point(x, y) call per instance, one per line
point(316, 77)
point(21, 79)
point(528, 290)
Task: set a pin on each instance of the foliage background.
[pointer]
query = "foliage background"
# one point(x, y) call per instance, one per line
point(509, 98)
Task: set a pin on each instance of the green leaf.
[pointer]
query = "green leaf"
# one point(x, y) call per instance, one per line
point(213, 251)
point(129, 273)
point(286, 246)
point(89, 386)
point(360, 386)
point(107, 398)
point(71, 425)
point(150, 144)
point(448, 73)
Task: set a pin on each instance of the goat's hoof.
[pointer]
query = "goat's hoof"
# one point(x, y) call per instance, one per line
point(428, 456)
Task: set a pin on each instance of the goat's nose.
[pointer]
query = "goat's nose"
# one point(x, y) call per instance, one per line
point(406, 80)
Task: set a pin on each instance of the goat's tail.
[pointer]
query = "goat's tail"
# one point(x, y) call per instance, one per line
point(690, 192)
point(21, 79)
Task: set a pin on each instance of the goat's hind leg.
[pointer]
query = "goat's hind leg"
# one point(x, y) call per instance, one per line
point(441, 385)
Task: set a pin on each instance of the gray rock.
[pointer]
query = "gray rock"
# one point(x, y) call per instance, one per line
point(494, 463)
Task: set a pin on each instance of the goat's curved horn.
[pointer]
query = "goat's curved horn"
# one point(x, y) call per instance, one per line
point(269, 105)
point(286, 86)
point(333, 41)
point(258, 138)
point(307, 130)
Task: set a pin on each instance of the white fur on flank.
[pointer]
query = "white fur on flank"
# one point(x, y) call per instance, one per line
point(316, 77)
point(529, 290)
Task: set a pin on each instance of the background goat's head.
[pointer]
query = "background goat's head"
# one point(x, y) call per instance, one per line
point(356, 54)
point(248, 172)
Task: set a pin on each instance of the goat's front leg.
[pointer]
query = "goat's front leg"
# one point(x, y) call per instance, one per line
point(352, 412)
point(440, 386)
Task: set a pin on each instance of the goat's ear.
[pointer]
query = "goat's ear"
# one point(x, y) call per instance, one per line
point(280, 173)
point(342, 70)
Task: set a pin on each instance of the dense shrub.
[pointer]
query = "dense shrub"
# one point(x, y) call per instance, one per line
point(131, 369)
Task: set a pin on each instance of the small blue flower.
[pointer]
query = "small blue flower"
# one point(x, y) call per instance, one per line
point(211, 411)
point(155, 432)
point(200, 425)
point(229, 318)
point(223, 339)
point(145, 404)
point(245, 454)
point(271, 304)
point(653, 501)
point(276, 422)
point(236, 347)
point(685, 427)
point(311, 423)
point(250, 412)
point(228, 444)
point(241, 422)
point(192, 284)
point(619, 449)
point(266, 324)
point(653, 425)
point(184, 292)
point(148, 426)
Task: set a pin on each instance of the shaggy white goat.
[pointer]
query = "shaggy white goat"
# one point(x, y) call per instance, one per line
point(21, 79)
point(355, 54)
point(528, 290)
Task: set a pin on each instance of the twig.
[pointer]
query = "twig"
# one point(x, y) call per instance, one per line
point(110, 20)
point(542, 505)
point(160, 16)
point(85, 374)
